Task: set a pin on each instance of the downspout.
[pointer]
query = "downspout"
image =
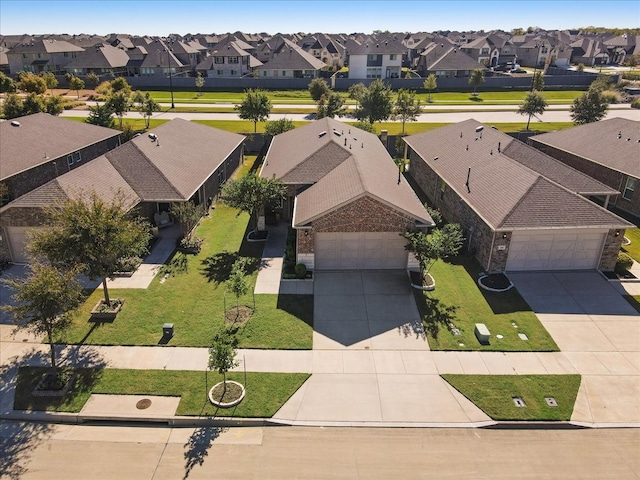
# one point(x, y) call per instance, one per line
point(493, 241)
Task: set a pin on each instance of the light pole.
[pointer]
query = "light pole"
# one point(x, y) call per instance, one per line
point(170, 76)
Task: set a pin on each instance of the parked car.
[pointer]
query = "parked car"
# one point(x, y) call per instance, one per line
point(518, 70)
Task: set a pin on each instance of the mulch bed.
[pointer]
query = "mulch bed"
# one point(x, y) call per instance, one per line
point(233, 393)
point(238, 316)
point(496, 281)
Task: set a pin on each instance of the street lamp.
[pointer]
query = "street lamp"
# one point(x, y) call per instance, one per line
point(168, 49)
point(403, 166)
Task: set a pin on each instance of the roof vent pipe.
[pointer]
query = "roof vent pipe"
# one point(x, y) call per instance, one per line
point(498, 147)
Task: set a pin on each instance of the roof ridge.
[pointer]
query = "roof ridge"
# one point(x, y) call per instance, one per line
point(521, 200)
point(149, 162)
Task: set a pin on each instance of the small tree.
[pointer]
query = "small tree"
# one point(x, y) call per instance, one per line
point(588, 108)
point(222, 355)
point(120, 85)
point(331, 106)
point(430, 84)
point(7, 84)
point(33, 103)
point(356, 92)
point(45, 302)
point(537, 81)
point(32, 83)
point(76, 84)
point(580, 67)
point(53, 105)
point(441, 243)
point(119, 103)
point(146, 106)
point(534, 104)
point(407, 107)
point(255, 106)
point(91, 233)
point(251, 193)
point(237, 282)
point(276, 127)
point(377, 102)
point(199, 83)
point(188, 214)
point(318, 88)
point(93, 80)
point(12, 107)
point(50, 79)
point(101, 115)
point(476, 79)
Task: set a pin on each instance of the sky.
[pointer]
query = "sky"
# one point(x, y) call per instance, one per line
point(162, 17)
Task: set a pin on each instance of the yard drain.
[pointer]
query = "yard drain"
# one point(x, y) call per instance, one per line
point(143, 404)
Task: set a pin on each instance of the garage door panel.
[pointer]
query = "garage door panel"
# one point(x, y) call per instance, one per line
point(360, 250)
point(579, 249)
point(18, 241)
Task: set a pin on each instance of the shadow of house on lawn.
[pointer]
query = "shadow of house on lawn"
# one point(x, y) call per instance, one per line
point(300, 306)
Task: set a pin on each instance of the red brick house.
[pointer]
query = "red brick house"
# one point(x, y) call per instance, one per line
point(346, 198)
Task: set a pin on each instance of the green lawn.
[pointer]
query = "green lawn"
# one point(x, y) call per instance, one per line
point(265, 392)
point(194, 301)
point(494, 394)
point(458, 299)
point(633, 250)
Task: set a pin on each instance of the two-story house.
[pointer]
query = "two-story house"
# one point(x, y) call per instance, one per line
point(229, 61)
point(39, 55)
point(376, 60)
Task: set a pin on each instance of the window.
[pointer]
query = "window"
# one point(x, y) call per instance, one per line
point(69, 160)
point(220, 73)
point(629, 188)
point(374, 72)
point(234, 72)
point(484, 51)
point(233, 59)
point(77, 157)
point(505, 51)
point(392, 56)
point(221, 177)
point(24, 55)
point(219, 60)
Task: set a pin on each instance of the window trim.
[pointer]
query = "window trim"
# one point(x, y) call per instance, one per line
point(629, 186)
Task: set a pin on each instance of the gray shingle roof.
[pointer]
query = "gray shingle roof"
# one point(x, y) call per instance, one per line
point(24, 147)
point(292, 57)
point(598, 142)
point(499, 187)
point(100, 56)
point(316, 154)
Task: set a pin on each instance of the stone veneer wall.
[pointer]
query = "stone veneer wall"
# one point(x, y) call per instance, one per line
point(611, 249)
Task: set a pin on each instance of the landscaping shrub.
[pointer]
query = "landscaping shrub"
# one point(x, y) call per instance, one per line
point(631, 75)
point(611, 96)
point(623, 263)
point(635, 103)
point(301, 270)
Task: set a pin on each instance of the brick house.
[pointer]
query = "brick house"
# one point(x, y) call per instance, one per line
point(520, 209)
point(346, 198)
point(177, 162)
point(39, 147)
point(607, 151)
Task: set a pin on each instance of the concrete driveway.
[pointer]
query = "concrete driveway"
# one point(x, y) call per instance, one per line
point(366, 310)
point(371, 359)
point(598, 333)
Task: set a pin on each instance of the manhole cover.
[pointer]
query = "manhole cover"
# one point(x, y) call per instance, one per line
point(144, 403)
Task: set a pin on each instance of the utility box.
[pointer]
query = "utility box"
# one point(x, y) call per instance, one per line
point(167, 330)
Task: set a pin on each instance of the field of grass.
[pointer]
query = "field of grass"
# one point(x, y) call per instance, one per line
point(458, 300)
point(633, 249)
point(194, 301)
point(494, 394)
point(265, 392)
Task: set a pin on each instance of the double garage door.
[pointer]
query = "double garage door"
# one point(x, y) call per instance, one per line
point(555, 250)
point(360, 250)
point(18, 242)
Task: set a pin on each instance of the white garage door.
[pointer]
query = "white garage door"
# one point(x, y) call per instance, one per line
point(18, 243)
point(555, 250)
point(361, 250)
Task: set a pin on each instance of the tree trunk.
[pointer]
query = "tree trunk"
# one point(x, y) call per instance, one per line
point(528, 121)
point(224, 384)
point(54, 366)
point(106, 291)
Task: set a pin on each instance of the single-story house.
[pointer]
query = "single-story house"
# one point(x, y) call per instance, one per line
point(608, 151)
point(176, 162)
point(37, 148)
point(520, 210)
point(346, 197)
point(291, 61)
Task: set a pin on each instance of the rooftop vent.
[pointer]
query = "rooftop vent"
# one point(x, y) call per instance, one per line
point(337, 132)
point(15, 123)
point(322, 134)
point(479, 128)
point(153, 137)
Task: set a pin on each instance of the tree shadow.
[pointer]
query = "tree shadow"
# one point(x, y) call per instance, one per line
point(434, 313)
point(217, 268)
point(198, 445)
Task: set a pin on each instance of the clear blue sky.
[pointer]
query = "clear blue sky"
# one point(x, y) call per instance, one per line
point(161, 17)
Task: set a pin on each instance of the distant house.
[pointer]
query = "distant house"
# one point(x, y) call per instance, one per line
point(101, 59)
point(608, 150)
point(376, 60)
point(589, 51)
point(160, 60)
point(622, 47)
point(291, 61)
point(490, 50)
point(39, 55)
point(520, 210)
point(37, 148)
point(346, 198)
point(446, 61)
point(177, 162)
point(228, 61)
